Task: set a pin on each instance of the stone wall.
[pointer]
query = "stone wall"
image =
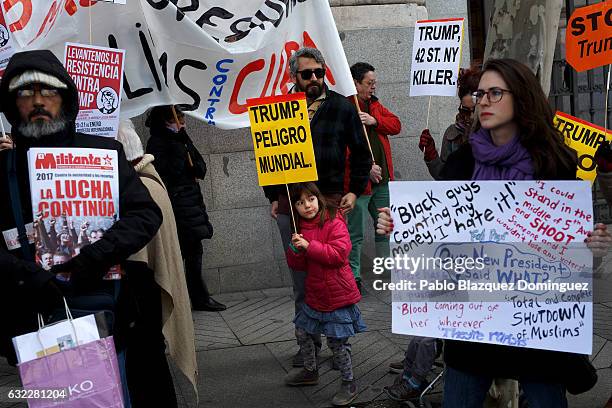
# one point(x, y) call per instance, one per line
point(245, 252)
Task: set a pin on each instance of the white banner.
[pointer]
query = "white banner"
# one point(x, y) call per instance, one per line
point(208, 57)
point(436, 56)
point(498, 262)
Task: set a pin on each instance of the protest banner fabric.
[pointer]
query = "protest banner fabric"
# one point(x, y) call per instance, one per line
point(588, 37)
point(436, 57)
point(281, 137)
point(75, 198)
point(583, 137)
point(6, 44)
point(98, 75)
point(210, 58)
point(526, 232)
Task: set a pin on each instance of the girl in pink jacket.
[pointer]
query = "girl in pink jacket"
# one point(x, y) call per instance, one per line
point(321, 248)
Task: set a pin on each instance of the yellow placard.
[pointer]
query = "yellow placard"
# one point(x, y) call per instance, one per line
point(281, 137)
point(584, 138)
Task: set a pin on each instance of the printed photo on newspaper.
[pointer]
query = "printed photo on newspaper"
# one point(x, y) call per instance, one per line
point(75, 199)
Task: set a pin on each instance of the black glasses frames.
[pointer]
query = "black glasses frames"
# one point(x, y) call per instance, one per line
point(494, 95)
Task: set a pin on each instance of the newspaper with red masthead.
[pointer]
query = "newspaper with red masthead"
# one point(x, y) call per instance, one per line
point(75, 199)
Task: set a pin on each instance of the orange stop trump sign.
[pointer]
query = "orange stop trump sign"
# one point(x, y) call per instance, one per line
point(588, 38)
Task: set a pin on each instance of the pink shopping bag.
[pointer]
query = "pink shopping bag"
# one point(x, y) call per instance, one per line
point(89, 375)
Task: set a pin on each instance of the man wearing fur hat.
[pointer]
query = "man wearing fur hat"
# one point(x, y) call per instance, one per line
point(40, 100)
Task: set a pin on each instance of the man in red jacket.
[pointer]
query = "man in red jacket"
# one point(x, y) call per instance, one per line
point(379, 123)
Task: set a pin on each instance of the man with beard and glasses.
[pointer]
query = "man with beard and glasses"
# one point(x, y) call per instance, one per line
point(336, 129)
point(40, 100)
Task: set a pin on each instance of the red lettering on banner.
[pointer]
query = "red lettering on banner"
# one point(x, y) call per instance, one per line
point(251, 67)
point(281, 67)
point(71, 7)
point(290, 48)
point(282, 74)
point(26, 13)
point(311, 44)
point(50, 18)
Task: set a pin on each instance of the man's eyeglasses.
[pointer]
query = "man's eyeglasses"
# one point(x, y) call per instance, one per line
point(306, 74)
point(44, 92)
point(494, 95)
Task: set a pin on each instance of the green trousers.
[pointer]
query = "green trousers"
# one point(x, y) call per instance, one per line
point(364, 205)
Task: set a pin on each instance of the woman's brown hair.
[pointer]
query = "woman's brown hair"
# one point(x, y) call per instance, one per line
point(296, 190)
point(534, 118)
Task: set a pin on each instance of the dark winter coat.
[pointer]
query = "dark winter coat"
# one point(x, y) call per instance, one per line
point(330, 284)
point(180, 164)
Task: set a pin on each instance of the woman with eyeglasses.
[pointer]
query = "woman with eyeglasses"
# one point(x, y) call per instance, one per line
point(514, 139)
point(457, 133)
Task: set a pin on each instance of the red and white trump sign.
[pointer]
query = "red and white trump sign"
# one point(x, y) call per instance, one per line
point(98, 74)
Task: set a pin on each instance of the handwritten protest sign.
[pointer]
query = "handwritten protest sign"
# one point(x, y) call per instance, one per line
point(493, 262)
point(75, 199)
point(98, 74)
point(281, 136)
point(588, 38)
point(436, 56)
point(585, 138)
point(7, 48)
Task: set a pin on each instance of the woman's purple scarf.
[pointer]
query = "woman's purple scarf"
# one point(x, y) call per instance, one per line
point(508, 162)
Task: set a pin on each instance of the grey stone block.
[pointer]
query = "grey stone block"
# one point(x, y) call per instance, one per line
point(445, 9)
point(211, 278)
point(234, 181)
point(214, 140)
point(279, 251)
point(285, 273)
point(408, 159)
point(260, 275)
point(388, 50)
point(378, 16)
point(242, 236)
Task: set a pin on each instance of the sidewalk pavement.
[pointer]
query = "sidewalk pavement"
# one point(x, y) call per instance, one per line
point(245, 352)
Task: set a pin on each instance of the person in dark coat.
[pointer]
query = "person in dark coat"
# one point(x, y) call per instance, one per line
point(40, 100)
point(180, 165)
point(514, 139)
